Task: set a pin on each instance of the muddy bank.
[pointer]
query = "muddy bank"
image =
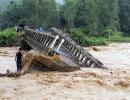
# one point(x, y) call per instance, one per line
point(86, 84)
point(41, 62)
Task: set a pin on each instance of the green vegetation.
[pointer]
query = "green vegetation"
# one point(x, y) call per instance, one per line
point(81, 36)
point(78, 34)
point(4, 3)
point(8, 37)
point(95, 41)
point(96, 16)
point(90, 22)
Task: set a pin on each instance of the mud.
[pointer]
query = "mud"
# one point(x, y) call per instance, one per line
point(36, 60)
point(85, 84)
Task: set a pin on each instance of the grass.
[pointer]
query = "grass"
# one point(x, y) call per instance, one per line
point(81, 36)
point(118, 37)
point(8, 37)
point(96, 41)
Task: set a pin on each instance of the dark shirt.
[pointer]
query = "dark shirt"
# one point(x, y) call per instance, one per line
point(19, 56)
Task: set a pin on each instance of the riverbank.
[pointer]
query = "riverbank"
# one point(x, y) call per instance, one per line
point(86, 84)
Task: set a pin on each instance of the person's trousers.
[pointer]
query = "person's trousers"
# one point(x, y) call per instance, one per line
point(19, 64)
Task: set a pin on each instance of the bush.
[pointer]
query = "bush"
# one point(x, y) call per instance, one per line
point(81, 36)
point(8, 37)
point(78, 34)
point(94, 41)
point(114, 34)
point(117, 35)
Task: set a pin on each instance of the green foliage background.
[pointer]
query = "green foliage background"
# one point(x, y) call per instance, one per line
point(89, 22)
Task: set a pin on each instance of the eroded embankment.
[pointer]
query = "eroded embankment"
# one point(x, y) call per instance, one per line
point(35, 61)
point(39, 61)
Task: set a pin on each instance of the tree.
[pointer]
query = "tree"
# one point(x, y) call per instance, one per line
point(43, 12)
point(96, 16)
point(87, 15)
point(81, 13)
point(11, 15)
point(108, 16)
point(124, 15)
point(69, 12)
point(93, 19)
point(47, 12)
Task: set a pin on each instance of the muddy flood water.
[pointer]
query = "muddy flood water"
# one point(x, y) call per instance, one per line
point(85, 84)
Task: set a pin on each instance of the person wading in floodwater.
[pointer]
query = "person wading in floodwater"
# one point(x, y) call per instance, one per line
point(19, 59)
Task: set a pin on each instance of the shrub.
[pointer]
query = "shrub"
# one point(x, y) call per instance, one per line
point(78, 34)
point(117, 35)
point(81, 36)
point(110, 33)
point(94, 41)
point(8, 37)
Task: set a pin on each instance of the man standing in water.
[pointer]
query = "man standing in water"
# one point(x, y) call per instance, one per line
point(19, 59)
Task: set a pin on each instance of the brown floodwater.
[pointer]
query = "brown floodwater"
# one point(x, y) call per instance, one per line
point(85, 84)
